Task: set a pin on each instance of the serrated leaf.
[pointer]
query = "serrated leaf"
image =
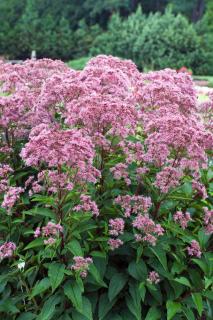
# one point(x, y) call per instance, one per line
point(75, 247)
point(73, 290)
point(35, 243)
point(8, 306)
point(184, 281)
point(116, 284)
point(142, 290)
point(27, 316)
point(172, 308)
point(208, 282)
point(197, 298)
point(161, 255)
point(56, 274)
point(40, 287)
point(138, 270)
point(201, 264)
point(96, 275)
point(153, 314)
point(188, 313)
point(45, 212)
point(134, 301)
point(104, 306)
point(48, 308)
point(87, 309)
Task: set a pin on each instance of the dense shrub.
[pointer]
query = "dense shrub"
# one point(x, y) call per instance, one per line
point(106, 191)
point(154, 42)
point(78, 64)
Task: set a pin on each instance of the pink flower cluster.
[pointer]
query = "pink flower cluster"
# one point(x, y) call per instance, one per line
point(114, 243)
point(167, 178)
point(119, 171)
point(81, 265)
point(87, 205)
point(133, 204)
point(6, 250)
point(10, 197)
point(194, 249)
point(5, 171)
point(50, 231)
point(22, 85)
point(57, 147)
point(116, 226)
point(182, 218)
point(106, 101)
point(176, 138)
point(208, 220)
point(153, 277)
point(149, 229)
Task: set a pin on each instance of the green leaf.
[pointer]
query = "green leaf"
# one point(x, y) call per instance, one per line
point(142, 290)
point(40, 287)
point(45, 212)
point(161, 255)
point(8, 306)
point(116, 284)
point(172, 308)
point(35, 243)
point(73, 290)
point(153, 314)
point(208, 282)
point(201, 264)
point(134, 301)
point(87, 309)
point(96, 275)
point(104, 306)
point(138, 270)
point(48, 309)
point(203, 238)
point(27, 316)
point(183, 281)
point(75, 247)
point(86, 313)
point(56, 274)
point(197, 298)
point(188, 313)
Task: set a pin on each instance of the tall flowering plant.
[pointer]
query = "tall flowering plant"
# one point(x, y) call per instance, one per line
point(106, 193)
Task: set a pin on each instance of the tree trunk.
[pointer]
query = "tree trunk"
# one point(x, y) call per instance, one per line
point(198, 10)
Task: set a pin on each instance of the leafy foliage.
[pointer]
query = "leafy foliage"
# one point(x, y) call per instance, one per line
point(106, 193)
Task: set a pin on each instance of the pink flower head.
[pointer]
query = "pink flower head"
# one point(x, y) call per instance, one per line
point(58, 147)
point(147, 226)
point(119, 171)
point(208, 220)
point(50, 241)
point(194, 249)
point(81, 265)
point(87, 205)
point(116, 226)
point(115, 243)
point(6, 250)
point(11, 196)
point(51, 229)
point(182, 218)
point(37, 232)
point(133, 204)
point(153, 277)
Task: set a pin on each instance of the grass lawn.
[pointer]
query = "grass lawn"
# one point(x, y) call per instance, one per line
point(78, 64)
point(209, 79)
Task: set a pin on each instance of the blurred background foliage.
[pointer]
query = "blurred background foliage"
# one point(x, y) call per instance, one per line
point(153, 33)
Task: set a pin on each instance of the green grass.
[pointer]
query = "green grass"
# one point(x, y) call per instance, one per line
point(203, 98)
point(209, 79)
point(78, 64)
